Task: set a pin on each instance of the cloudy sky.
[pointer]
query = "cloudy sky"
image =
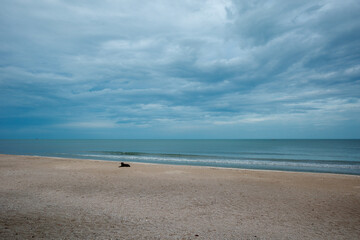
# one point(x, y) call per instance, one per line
point(180, 69)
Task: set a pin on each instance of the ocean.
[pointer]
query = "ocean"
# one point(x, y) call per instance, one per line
point(330, 156)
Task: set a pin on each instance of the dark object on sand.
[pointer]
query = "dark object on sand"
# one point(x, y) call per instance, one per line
point(124, 165)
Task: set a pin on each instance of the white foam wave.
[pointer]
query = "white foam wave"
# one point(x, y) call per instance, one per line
point(225, 162)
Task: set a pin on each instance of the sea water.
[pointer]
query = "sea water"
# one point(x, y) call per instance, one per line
point(332, 156)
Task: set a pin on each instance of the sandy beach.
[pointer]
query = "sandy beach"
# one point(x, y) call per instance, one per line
point(53, 198)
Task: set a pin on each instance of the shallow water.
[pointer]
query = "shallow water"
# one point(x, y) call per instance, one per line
point(333, 156)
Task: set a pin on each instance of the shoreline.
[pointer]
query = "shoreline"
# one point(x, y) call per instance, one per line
point(57, 198)
point(184, 165)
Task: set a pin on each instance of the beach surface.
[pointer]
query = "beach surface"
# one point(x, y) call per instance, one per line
point(55, 198)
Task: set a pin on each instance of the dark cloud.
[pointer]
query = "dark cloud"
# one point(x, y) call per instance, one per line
point(186, 69)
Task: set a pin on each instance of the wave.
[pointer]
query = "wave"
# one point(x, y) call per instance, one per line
point(148, 154)
point(224, 161)
point(197, 157)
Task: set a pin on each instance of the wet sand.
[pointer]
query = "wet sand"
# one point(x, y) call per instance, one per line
point(53, 198)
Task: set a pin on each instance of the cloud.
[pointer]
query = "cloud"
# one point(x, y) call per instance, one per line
point(209, 65)
point(86, 125)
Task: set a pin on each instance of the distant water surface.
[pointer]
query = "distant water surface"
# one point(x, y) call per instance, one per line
point(332, 156)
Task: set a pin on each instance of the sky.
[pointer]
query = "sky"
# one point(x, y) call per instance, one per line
point(243, 69)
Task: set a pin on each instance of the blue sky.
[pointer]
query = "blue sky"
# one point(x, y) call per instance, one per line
point(180, 69)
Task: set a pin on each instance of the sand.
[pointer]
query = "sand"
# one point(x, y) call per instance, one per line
point(54, 198)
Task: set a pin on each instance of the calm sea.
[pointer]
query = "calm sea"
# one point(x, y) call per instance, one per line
point(332, 156)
